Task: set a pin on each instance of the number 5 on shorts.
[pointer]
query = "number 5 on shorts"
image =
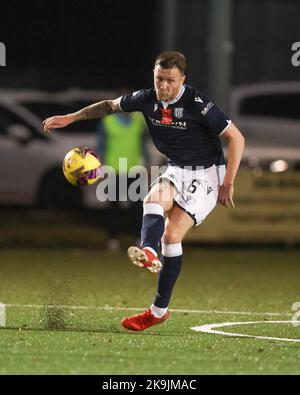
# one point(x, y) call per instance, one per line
point(192, 187)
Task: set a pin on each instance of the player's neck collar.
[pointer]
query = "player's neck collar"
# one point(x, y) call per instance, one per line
point(180, 93)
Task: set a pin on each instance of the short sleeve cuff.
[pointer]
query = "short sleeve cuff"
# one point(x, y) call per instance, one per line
point(226, 127)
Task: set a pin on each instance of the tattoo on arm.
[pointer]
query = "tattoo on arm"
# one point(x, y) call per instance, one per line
point(96, 110)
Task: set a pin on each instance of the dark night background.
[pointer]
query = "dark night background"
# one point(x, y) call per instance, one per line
point(88, 43)
point(109, 43)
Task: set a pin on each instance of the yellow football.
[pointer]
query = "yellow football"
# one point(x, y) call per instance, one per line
point(81, 166)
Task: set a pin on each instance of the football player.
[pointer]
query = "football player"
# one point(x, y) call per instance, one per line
point(187, 127)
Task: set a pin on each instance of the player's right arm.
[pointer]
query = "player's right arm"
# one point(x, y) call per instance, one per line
point(96, 110)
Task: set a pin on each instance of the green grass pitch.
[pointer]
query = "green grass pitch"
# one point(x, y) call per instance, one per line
point(221, 285)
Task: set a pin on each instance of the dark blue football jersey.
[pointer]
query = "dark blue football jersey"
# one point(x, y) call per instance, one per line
point(186, 129)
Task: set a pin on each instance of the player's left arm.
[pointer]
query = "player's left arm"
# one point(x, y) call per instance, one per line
point(236, 142)
point(96, 110)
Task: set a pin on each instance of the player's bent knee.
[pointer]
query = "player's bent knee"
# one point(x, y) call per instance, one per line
point(171, 237)
point(153, 198)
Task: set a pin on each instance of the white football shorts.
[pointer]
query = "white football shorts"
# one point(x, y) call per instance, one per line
point(197, 189)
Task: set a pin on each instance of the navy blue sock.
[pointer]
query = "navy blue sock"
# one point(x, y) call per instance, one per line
point(153, 225)
point(167, 278)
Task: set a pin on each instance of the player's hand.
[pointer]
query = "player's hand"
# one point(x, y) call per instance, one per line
point(56, 122)
point(225, 196)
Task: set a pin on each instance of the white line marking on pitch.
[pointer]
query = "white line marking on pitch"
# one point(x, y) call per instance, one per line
point(210, 329)
point(111, 308)
point(2, 315)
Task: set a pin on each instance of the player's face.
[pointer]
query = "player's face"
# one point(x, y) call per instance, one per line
point(167, 82)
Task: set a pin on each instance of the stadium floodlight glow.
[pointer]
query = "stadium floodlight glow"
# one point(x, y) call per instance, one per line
point(279, 166)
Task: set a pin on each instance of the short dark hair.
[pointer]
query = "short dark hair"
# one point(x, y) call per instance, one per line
point(170, 59)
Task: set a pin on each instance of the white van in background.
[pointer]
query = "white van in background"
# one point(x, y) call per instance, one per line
point(31, 161)
point(269, 117)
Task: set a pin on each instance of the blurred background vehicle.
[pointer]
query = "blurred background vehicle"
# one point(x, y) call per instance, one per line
point(44, 104)
point(269, 116)
point(33, 160)
point(21, 114)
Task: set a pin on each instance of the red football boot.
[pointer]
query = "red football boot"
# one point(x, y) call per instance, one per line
point(142, 321)
point(144, 258)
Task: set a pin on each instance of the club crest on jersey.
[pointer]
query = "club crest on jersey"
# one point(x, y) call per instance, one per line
point(155, 107)
point(178, 112)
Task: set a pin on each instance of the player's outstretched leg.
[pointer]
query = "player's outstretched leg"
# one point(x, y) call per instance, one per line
point(158, 312)
point(171, 259)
